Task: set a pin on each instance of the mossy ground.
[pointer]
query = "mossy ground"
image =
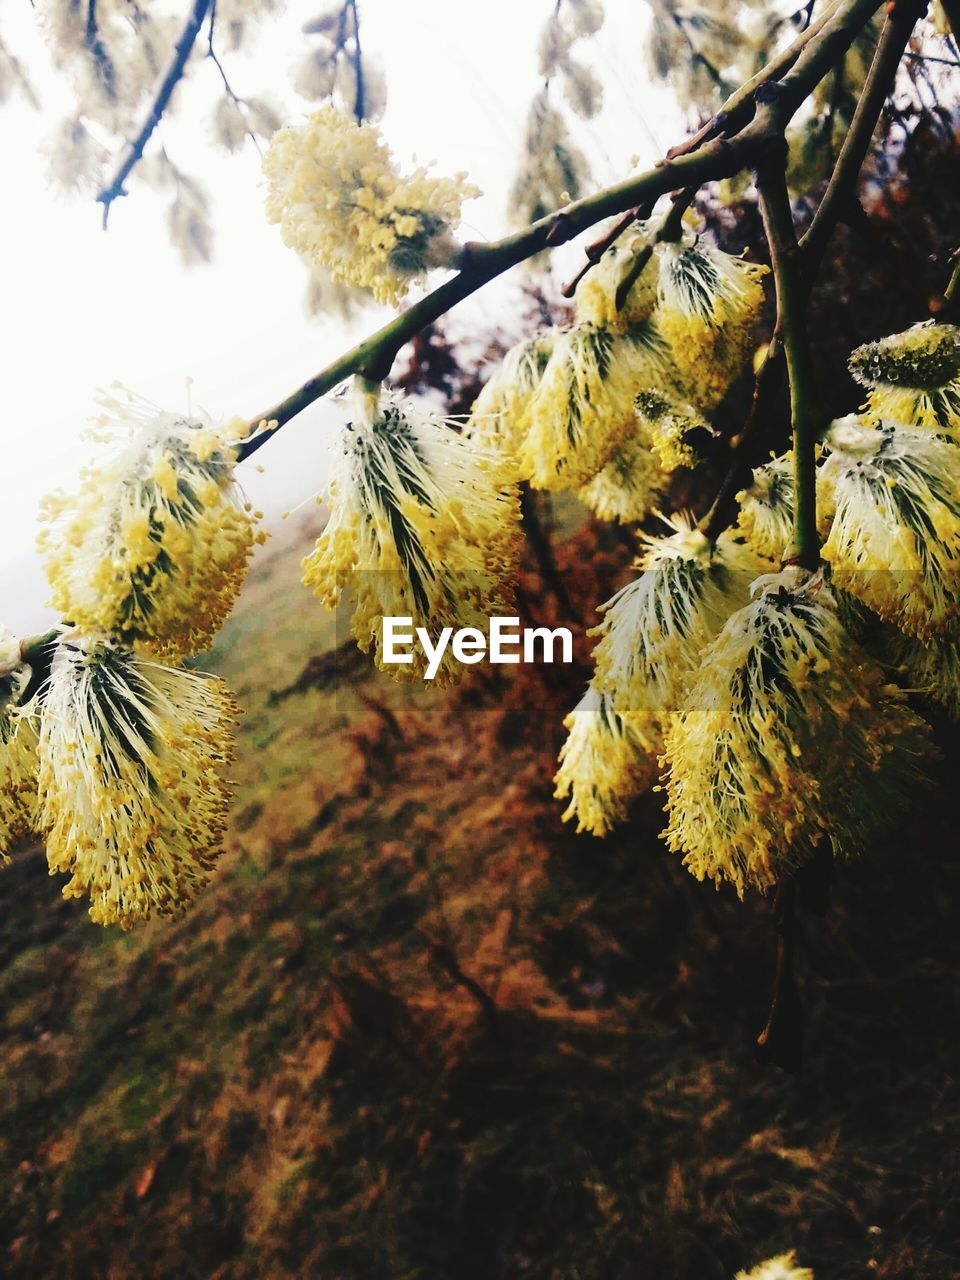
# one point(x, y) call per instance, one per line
point(419, 1030)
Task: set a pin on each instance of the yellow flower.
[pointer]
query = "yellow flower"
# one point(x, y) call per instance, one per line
point(787, 736)
point(603, 765)
point(154, 546)
point(913, 377)
point(583, 409)
point(766, 507)
point(894, 542)
point(709, 304)
point(499, 415)
point(782, 1267)
point(655, 629)
point(18, 748)
point(423, 524)
point(671, 428)
point(341, 204)
point(596, 297)
point(630, 484)
point(132, 754)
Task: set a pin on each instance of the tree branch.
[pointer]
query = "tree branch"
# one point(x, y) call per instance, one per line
point(132, 153)
point(228, 87)
point(481, 263)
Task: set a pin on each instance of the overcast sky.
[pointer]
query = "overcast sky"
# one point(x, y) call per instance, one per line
point(83, 308)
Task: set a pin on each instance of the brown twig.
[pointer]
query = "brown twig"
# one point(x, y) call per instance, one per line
point(669, 229)
point(781, 1040)
point(597, 248)
point(768, 378)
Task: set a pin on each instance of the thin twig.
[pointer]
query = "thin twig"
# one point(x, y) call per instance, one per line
point(841, 189)
point(950, 292)
point(724, 508)
point(738, 108)
point(781, 1040)
point(228, 87)
point(929, 57)
point(132, 153)
point(597, 248)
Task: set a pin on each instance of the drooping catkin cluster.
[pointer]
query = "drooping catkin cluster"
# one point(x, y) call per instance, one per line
point(498, 417)
point(913, 378)
point(341, 203)
point(132, 754)
point(651, 637)
point(778, 732)
point(154, 545)
point(552, 169)
point(126, 749)
point(783, 1266)
point(894, 539)
point(767, 507)
point(788, 736)
point(709, 305)
point(583, 407)
point(423, 523)
point(611, 405)
point(654, 630)
point(603, 764)
point(670, 427)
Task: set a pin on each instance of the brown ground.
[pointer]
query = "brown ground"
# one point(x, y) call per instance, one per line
point(417, 1028)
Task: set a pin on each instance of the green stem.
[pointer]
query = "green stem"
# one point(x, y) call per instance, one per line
point(792, 327)
point(950, 292)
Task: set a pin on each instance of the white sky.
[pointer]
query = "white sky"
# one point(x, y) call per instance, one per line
point(82, 308)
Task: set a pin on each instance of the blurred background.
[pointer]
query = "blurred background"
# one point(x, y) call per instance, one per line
point(417, 1028)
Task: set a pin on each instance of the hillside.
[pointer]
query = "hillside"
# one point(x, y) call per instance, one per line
point(418, 1029)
